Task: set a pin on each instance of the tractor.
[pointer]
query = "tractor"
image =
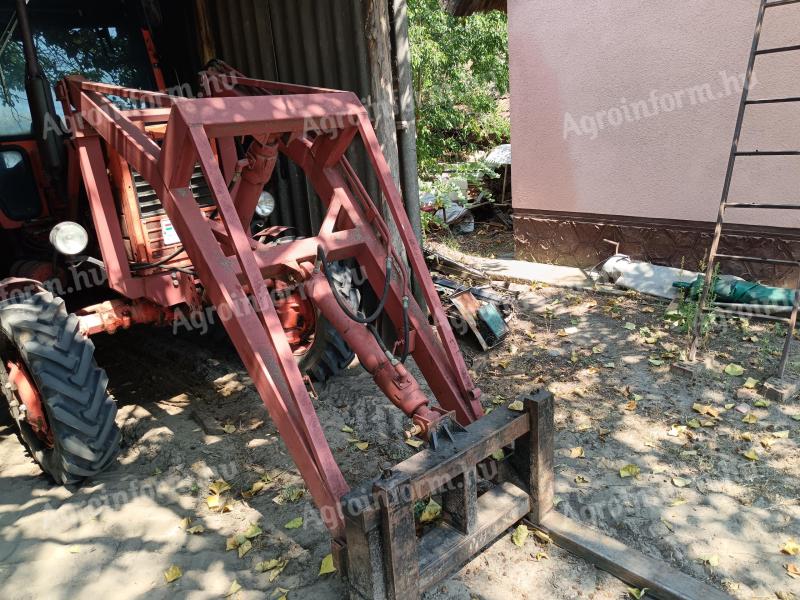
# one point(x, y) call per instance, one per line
point(121, 206)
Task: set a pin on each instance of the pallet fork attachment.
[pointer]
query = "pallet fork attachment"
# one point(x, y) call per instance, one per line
point(235, 136)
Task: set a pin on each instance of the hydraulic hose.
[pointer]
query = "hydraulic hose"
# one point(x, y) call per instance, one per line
point(342, 304)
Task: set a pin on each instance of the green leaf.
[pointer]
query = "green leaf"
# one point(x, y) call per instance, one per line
point(173, 573)
point(636, 593)
point(734, 370)
point(629, 471)
point(520, 535)
point(327, 565)
point(295, 523)
point(630, 326)
point(431, 513)
point(751, 383)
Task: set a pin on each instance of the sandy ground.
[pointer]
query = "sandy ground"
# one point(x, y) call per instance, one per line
point(696, 502)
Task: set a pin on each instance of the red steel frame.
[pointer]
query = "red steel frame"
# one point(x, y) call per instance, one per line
point(233, 268)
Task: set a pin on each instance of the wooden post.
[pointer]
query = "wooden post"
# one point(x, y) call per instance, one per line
point(533, 454)
point(381, 106)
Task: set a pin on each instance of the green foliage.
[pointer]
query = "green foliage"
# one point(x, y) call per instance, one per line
point(688, 307)
point(460, 73)
point(445, 189)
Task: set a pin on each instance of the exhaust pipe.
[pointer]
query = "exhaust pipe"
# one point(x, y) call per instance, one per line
point(40, 98)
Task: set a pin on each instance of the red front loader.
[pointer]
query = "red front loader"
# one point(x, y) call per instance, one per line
point(171, 187)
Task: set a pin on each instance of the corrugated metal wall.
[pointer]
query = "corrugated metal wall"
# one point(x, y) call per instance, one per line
point(306, 42)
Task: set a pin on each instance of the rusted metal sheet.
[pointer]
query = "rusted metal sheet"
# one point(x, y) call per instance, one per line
point(304, 42)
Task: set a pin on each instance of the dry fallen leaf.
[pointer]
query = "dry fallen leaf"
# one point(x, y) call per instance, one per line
point(791, 548)
point(431, 512)
point(245, 548)
point(520, 535)
point(229, 428)
point(680, 482)
point(173, 574)
point(272, 567)
point(257, 487)
point(636, 593)
point(414, 443)
point(734, 370)
point(751, 454)
point(234, 589)
point(362, 446)
point(712, 561)
point(629, 471)
point(750, 383)
point(581, 479)
point(253, 531)
point(793, 571)
point(327, 565)
point(577, 452)
point(781, 435)
point(219, 486)
point(196, 530)
point(517, 405)
point(705, 409)
point(542, 537)
point(749, 418)
point(215, 502)
point(347, 429)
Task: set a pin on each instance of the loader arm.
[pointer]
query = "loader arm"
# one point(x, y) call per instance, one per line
point(231, 267)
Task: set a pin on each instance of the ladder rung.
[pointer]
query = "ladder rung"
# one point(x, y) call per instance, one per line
point(747, 315)
point(774, 100)
point(767, 206)
point(778, 50)
point(770, 153)
point(781, 3)
point(757, 259)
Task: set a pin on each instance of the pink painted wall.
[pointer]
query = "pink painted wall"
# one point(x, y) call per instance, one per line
point(577, 65)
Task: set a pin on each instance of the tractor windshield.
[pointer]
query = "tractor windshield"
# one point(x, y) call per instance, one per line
point(68, 41)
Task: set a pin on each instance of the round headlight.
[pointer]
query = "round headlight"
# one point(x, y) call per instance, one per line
point(266, 205)
point(69, 238)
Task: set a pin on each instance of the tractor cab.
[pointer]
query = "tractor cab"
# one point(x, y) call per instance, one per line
point(108, 42)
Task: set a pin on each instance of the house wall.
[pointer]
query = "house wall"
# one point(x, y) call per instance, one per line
point(622, 119)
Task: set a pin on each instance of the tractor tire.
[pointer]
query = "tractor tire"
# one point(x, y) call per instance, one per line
point(38, 333)
point(329, 354)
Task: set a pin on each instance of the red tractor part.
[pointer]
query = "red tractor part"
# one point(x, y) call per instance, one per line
point(31, 408)
point(175, 144)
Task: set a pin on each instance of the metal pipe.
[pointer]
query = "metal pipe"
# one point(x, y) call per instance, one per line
point(40, 99)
